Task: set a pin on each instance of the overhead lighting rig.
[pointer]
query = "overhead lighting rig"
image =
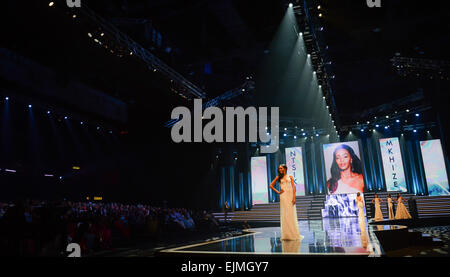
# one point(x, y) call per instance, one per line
point(118, 43)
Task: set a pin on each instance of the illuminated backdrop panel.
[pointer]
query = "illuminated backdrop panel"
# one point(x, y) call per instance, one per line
point(294, 163)
point(348, 160)
point(434, 165)
point(260, 194)
point(394, 175)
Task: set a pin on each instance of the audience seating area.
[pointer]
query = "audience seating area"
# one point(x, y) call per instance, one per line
point(35, 228)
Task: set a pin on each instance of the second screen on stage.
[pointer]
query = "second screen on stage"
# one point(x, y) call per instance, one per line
point(343, 167)
point(394, 176)
point(294, 163)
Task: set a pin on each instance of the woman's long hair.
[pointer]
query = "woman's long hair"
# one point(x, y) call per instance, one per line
point(356, 167)
point(279, 174)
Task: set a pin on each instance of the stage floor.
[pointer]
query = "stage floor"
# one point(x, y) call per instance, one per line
point(340, 236)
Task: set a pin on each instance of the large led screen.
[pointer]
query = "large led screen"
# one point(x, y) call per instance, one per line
point(260, 194)
point(294, 163)
point(434, 165)
point(394, 176)
point(343, 168)
point(341, 205)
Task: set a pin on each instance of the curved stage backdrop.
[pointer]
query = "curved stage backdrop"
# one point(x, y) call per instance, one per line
point(394, 164)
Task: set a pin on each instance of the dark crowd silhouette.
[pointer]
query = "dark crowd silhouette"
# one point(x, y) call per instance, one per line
point(45, 228)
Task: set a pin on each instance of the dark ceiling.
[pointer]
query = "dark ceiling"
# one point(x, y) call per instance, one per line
point(362, 41)
point(231, 37)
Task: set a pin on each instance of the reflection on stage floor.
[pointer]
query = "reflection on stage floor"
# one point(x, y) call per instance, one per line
point(340, 236)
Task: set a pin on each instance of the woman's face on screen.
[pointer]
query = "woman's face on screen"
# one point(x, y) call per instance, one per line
point(343, 159)
point(281, 170)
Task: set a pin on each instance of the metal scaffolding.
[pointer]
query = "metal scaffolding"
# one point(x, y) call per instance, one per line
point(246, 87)
point(188, 89)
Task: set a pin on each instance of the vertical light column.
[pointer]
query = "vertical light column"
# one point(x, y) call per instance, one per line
point(259, 180)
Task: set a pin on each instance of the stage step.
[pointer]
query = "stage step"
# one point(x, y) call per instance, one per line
point(308, 207)
point(427, 206)
point(369, 196)
point(433, 206)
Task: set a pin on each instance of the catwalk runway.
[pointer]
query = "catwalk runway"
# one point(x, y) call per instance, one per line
point(340, 236)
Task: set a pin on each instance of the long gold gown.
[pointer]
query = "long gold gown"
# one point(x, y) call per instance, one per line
point(402, 212)
point(288, 212)
point(378, 213)
point(390, 208)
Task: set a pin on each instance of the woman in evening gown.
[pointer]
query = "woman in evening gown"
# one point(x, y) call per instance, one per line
point(390, 207)
point(346, 172)
point(359, 202)
point(362, 221)
point(378, 213)
point(288, 210)
point(402, 212)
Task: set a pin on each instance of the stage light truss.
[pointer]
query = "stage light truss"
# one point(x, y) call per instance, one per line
point(419, 67)
point(413, 100)
point(391, 121)
point(189, 90)
point(56, 112)
point(303, 132)
point(309, 24)
point(420, 126)
point(218, 101)
point(298, 127)
point(122, 20)
point(296, 134)
point(392, 126)
point(297, 10)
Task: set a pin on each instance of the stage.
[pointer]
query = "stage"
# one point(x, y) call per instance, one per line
point(326, 237)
